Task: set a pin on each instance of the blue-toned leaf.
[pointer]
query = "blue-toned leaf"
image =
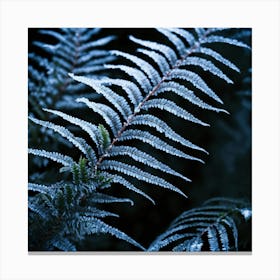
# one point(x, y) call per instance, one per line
point(50, 190)
point(64, 160)
point(163, 49)
point(120, 180)
point(220, 39)
point(116, 100)
point(186, 94)
point(105, 198)
point(212, 239)
point(162, 127)
point(159, 59)
point(76, 141)
point(133, 92)
point(230, 222)
point(138, 75)
point(93, 226)
point(223, 236)
point(143, 65)
point(175, 40)
point(97, 213)
point(185, 34)
point(158, 244)
point(145, 158)
point(196, 80)
point(173, 108)
point(90, 128)
point(200, 32)
point(138, 174)
point(193, 245)
point(97, 43)
point(108, 114)
point(61, 38)
point(155, 142)
point(39, 209)
point(206, 65)
point(63, 244)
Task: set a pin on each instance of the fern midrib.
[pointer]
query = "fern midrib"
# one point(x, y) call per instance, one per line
point(130, 118)
point(218, 220)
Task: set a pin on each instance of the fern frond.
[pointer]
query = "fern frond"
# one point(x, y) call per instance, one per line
point(72, 50)
point(97, 213)
point(175, 40)
point(138, 174)
point(206, 65)
point(186, 94)
point(162, 127)
point(93, 226)
point(64, 160)
point(185, 34)
point(50, 190)
point(80, 143)
point(104, 198)
point(133, 92)
point(168, 52)
point(173, 108)
point(138, 75)
point(145, 158)
point(116, 100)
point(200, 32)
point(39, 209)
point(91, 129)
point(212, 227)
point(107, 113)
point(98, 43)
point(196, 80)
point(63, 244)
point(143, 65)
point(64, 215)
point(159, 59)
point(155, 142)
point(220, 39)
point(218, 57)
point(120, 180)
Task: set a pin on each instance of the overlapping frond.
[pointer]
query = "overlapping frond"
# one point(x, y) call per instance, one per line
point(77, 50)
point(144, 94)
point(63, 214)
point(211, 227)
point(148, 83)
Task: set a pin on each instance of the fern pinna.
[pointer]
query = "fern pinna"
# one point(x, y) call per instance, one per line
point(147, 82)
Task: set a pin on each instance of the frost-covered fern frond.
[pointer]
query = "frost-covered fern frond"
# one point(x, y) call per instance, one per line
point(121, 148)
point(78, 50)
point(152, 77)
point(211, 227)
point(128, 111)
point(63, 214)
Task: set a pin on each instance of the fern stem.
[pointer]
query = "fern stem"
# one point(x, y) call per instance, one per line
point(221, 217)
point(177, 64)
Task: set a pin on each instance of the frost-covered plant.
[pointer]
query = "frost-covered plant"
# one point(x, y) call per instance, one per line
point(131, 93)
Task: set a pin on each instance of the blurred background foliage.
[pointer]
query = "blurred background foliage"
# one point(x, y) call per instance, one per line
point(227, 169)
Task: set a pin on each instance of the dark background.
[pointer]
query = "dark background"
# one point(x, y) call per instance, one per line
point(227, 168)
